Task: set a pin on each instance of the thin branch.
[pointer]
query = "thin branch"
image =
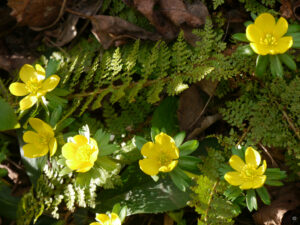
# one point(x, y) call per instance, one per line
point(268, 153)
point(210, 199)
point(291, 124)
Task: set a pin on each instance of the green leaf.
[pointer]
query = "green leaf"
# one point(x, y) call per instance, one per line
point(273, 182)
point(8, 118)
point(288, 61)
point(123, 213)
point(188, 147)
point(240, 37)
point(55, 115)
point(107, 163)
point(65, 171)
point(154, 131)
point(52, 67)
point(180, 179)
point(233, 192)
point(102, 137)
point(178, 138)
point(85, 131)
point(251, 200)
point(275, 65)
point(293, 28)
point(116, 209)
point(165, 116)
point(245, 50)
point(275, 174)
point(239, 152)
point(60, 92)
point(247, 23)
point(3, 172)
point(296, 37)
point(142, 195)
point(139, 142)
point(64, 124)
point(8, 203)
point(262, 62)
point(296, 44)
point(264, 195)
point(189, 163)
point(107, 149)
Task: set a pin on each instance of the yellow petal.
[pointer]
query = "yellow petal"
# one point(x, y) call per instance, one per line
point(50, 83)
point(115, 220)
point(69, 150)
point(259, 181)
point(149, 166)
point(280, 28)
point(253, 34)
point(40, 126)
point(248, 184)
point(80, 140)
point(84, 167)
point(265, 22)
point(167, 144)
point(27, 72)
point(40, 69)
point(102, 218)
point(52, 146)
point(72, 164)
point(260, 49)
point(252, 157)
point(31, 137)
point(18, 89)
point(262, 168)
point(233, 178)
point(34, 150)
point(169, 167)
point(95, 223)
point(28, 102)
point(151, 150)
point(236, 163)
point(284, 44)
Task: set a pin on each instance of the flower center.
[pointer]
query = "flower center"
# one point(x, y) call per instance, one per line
point(249, 171)
point(33, 86)
point(165, 159)
point(84, 152)
point(269, 39)
point(45, 138)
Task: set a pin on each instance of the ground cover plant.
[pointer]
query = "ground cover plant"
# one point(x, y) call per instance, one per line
point(149, 112)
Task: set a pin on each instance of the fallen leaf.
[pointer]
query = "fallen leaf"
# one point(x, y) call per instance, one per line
point(296, 9)
point(156, 18)
point(108, 30)
point(35, 13)
point(190, 106)
point(285, 199)
point(286, 9)
point(208, 86)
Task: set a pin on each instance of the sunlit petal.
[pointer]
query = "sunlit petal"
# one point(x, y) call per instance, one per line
point(40, 69)
point(261, 170)
point(149, 166)
point(252, 157)
point(34, 150)
point(233, 178)
point(169, 167)
point(27, 72)
point(80, 140)
point(52, 146)
point(259, 181)
point(18, 89)
point(40, 126)
point(236, 163)
point(31, 137)
point(84, 167)
point(284, 44)
point(265, 22)
point(150, 150)
point(115, 220)
point(50, 83)
point(260, 49)
point(248, 184)
point(69, 150)
point(102, 218)
point(28, 102)
point(253, 34)
point(280, 28)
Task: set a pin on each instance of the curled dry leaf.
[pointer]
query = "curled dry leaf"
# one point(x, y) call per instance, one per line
point(286, 199)
point(35, 13)
point(111, 30)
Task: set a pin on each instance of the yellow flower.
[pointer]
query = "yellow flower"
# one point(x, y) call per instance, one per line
point(266, 36)
point(249, 175)
point(81, 153)
point(111, 219)
point(161, 156)
point(35, 86)
point(40, 142)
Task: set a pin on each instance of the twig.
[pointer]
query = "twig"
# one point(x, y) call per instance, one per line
point(61, 12)
point(243, 137)
point(201, 113)
point(291, 124)
point(210, 199)
point(270, 156)
point(77, 13)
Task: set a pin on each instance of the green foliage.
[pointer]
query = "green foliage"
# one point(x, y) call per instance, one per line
point(209, 200)
point(257, 7)
point(270, 113)
point(8, 119)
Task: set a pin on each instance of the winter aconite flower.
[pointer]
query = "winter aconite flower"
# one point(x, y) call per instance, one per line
point(248, 175)
point(35, 85)
point(266, 36)
point(81, 153)
point(161, 156)
point(110, 219)
point(41, 142)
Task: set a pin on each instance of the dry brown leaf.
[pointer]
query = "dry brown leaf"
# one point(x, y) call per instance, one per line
point(35, 13)
point(179, 14)
point(286, 9)
point(111, 30)
point(286, 199)
point(208, 86)
point(190, 105)
point(156, 18)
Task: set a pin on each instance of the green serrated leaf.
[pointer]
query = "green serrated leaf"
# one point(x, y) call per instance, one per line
point(65, 171)
point(102, 137)
point(108, 149)
point(178, 138)
point(264, 195)
point(8, 118)
point(188, 147)
point(251, 200)
point(275, 65)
